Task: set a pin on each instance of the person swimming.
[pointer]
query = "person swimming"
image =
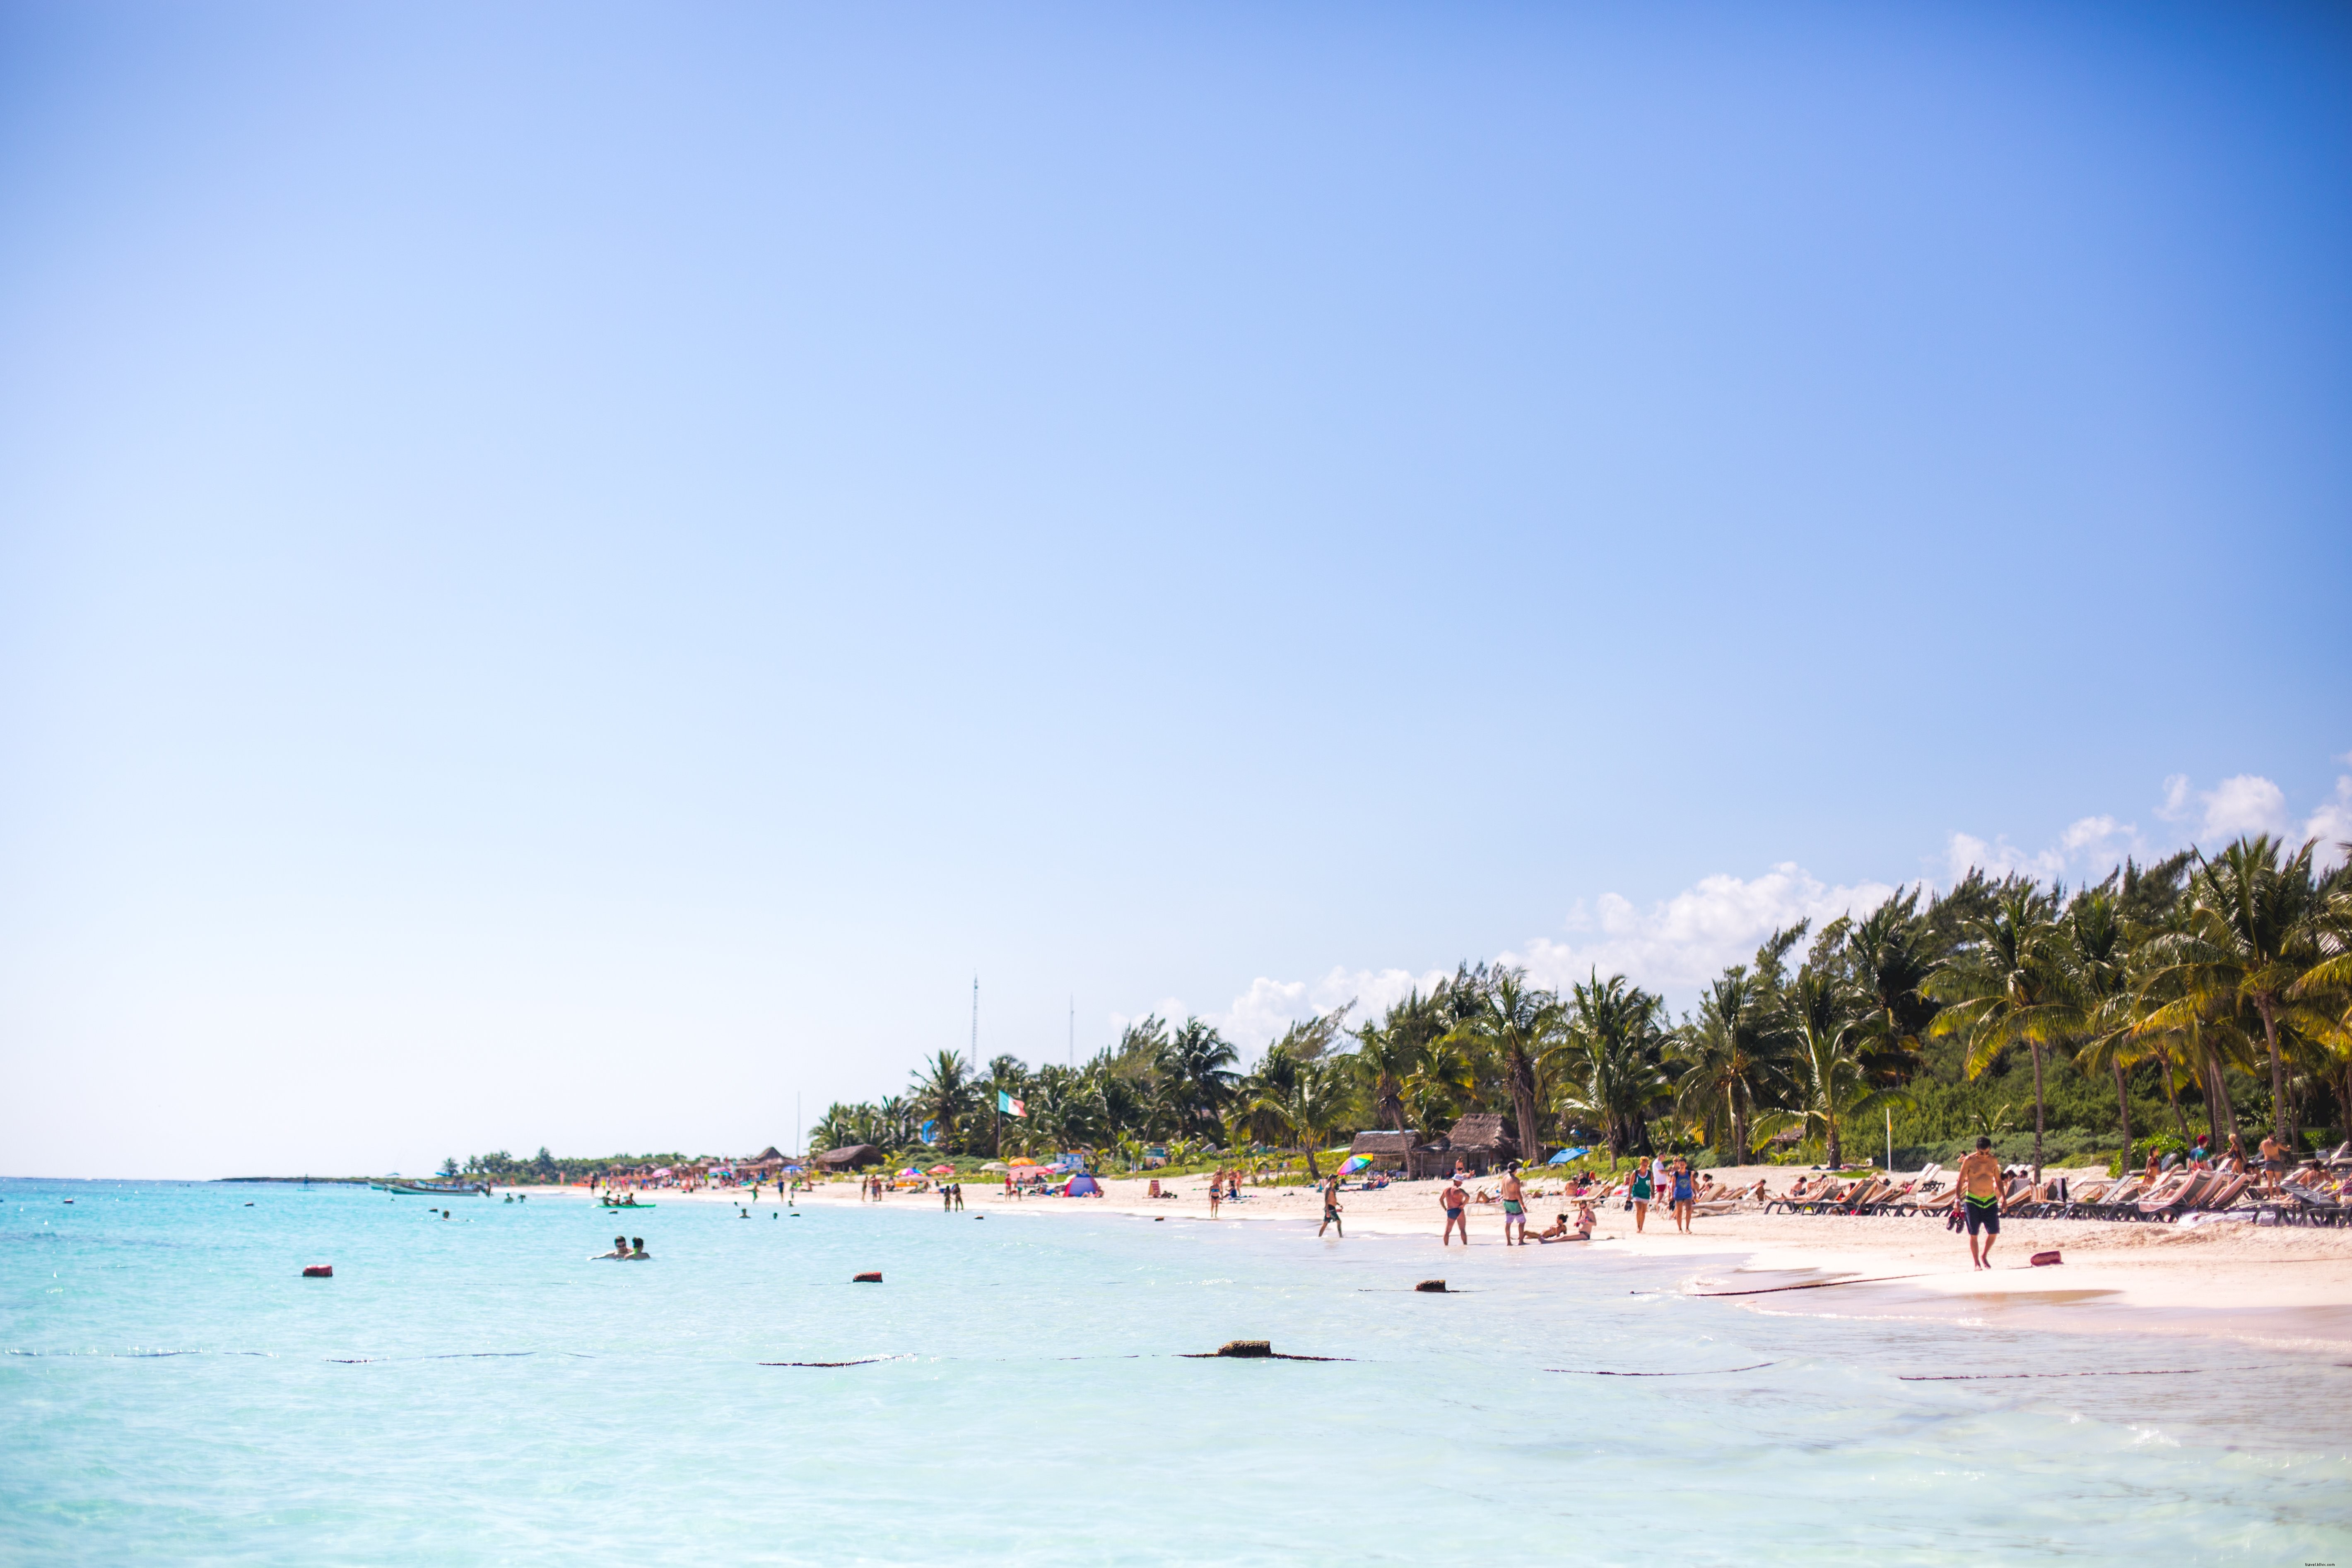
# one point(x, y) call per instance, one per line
point(620, 1249)
point(637, 1249)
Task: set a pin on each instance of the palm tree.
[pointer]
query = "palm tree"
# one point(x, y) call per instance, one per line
point(1734, 1059)
point(1441, 1086)
point(1614, 1044)
point(1317, 1097)
point(2250, 934)
point(838, 1128)
point(2097, 953)
point(1833, 1080)
point(2327, 988)
point(944, 1092)
point(1522, 1027)
point(1889, 954)
point(1202, 1064)
point(1388, 1053)
point(2008, 985)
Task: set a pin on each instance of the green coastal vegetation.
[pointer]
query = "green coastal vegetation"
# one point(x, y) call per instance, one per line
point(2190, 995)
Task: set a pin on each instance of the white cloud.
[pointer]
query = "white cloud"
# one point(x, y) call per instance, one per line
point(1269, 1007)
point(1677, 944)
point(2332, 823)
point(2247, 803)
point(1964, 853)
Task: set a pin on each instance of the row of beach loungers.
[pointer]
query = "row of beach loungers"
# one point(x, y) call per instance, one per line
point(2168, 1199)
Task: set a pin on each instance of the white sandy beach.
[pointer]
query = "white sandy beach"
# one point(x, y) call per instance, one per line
point(2230, 1276)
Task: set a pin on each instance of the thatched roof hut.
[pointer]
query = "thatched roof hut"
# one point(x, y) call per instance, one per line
point(1481, 1143)
point(849, 1157)
point(1388, 1151)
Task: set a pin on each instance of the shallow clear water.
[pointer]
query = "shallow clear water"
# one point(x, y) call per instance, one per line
point(473, 1391)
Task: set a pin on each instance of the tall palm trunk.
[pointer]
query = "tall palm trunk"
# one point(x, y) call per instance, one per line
point(2220, 1114)
point(1523, 1100)
point(2172, 1095)
point(1835, 1153)
point(2267, 1006)
point(2123, 1105)
point(2037, 1112)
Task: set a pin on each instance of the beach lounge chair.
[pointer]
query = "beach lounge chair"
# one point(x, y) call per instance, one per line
point(2171, 1199)
point(2307, 1205)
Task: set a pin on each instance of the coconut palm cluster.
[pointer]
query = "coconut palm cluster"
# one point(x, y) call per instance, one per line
point(2214, 988)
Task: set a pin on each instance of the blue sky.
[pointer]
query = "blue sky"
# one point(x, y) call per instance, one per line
point(569, 573)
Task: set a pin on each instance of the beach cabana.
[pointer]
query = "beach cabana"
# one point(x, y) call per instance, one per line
point(1384, 1150)
point(1480, 1142)
point(849, 1157)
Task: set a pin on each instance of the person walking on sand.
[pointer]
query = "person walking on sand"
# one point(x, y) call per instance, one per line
point(1684, 1194)
point(1331, 1207)
point(1456, 1204)
point(1515, 1206)
point(1217, 1192)
point(1639, 1195)
point(1981, 1200)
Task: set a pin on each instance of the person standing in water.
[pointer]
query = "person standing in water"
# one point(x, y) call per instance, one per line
point(1515, 1206)
point(1981, 1200)
point(1456, 1204)
point(1332, 1209)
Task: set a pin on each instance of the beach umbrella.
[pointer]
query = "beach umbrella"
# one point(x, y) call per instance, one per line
point(1354, 1163)
point(910, 1171)
point(943, 1170)
point(996, 1165)
point(1022, 1160)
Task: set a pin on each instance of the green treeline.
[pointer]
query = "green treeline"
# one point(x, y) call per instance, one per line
point(2190, 995)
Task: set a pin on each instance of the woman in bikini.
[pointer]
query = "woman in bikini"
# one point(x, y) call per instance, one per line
point(1640, 1192)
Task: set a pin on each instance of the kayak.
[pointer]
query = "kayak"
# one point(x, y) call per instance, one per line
point(625, 1208)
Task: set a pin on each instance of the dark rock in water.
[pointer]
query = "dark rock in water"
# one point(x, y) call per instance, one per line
point(1435, 1287)
point(1246, 1348)
point(319, 1271)
point(874, 1278)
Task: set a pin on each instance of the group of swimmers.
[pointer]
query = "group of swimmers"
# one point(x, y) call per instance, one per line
point(1455, 1201)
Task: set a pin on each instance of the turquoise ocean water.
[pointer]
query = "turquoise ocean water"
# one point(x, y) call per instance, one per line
point(473, 1390)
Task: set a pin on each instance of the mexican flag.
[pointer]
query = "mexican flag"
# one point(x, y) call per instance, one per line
point(1010, 1106)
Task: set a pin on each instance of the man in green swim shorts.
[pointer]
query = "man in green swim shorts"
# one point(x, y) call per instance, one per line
point(1981, 1200)
point(1515, 1207)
